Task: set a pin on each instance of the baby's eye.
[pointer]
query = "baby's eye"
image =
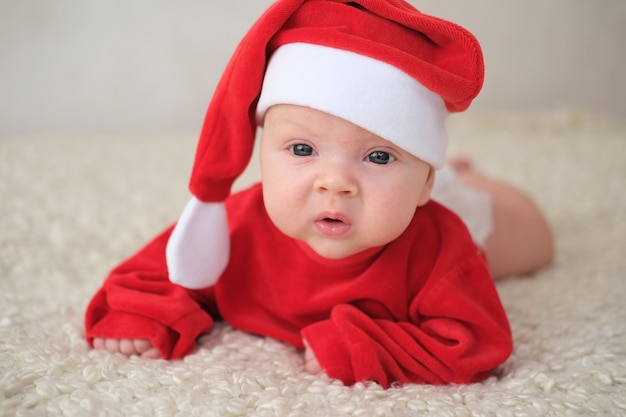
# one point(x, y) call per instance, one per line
point(302, 149)
point(380, 157)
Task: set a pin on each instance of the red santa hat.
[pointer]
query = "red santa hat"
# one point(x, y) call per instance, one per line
point(380, 64)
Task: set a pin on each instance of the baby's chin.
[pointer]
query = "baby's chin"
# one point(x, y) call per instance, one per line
point(337, 250)
point(334, 248)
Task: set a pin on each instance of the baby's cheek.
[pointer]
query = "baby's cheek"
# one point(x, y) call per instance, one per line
point(392, 223)
point(282, 217)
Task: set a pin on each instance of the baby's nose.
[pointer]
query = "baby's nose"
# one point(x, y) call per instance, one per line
point(337, 179)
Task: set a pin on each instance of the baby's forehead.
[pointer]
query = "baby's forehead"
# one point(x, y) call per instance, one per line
point(309, 122)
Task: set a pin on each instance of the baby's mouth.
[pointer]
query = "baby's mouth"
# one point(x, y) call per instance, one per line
point(328, 219)
point(332, 226)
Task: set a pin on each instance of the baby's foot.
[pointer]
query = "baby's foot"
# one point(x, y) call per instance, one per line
point(460, 164)
point(140, 347)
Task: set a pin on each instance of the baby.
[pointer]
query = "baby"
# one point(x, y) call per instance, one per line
point(340, 250)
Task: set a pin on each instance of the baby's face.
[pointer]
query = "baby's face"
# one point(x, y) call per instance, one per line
point(336, 186)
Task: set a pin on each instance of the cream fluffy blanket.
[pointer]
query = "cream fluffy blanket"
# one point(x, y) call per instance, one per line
point(70, 209)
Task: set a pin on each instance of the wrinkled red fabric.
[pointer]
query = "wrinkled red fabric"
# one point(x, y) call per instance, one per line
point(421, 309)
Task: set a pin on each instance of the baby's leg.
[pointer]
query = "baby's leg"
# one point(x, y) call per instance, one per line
point(140, 347)
point(521, 241)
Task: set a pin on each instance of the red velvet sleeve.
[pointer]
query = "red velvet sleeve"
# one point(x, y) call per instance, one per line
point(456, 332)
point(138, 301)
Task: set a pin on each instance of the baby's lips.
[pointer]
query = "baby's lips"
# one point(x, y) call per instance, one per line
point(332, 226)
point(333, 217)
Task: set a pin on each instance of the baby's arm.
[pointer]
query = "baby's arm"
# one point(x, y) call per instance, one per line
point(139, 311)
point(456, 332)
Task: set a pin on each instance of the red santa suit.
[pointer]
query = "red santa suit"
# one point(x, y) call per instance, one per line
point(422, 308)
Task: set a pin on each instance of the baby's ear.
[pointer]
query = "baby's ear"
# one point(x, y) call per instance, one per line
point(427, 188)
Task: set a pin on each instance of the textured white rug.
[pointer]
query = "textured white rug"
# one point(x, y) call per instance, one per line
point(70, 209)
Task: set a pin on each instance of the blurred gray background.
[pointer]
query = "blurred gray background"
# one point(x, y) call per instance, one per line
point(149, 67)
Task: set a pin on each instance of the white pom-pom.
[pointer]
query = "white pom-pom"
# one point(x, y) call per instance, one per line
point(198, 249)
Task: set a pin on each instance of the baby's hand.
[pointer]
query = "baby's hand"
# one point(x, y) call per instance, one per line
point(311, 365)
point(140, 347)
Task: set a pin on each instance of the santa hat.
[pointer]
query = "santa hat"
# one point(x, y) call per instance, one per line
point(380, 64)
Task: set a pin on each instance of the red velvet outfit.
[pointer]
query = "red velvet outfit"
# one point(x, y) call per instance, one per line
point(421, 309)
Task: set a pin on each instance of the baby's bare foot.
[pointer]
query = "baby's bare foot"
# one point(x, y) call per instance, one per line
point(460, 164)
point(129, 347)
